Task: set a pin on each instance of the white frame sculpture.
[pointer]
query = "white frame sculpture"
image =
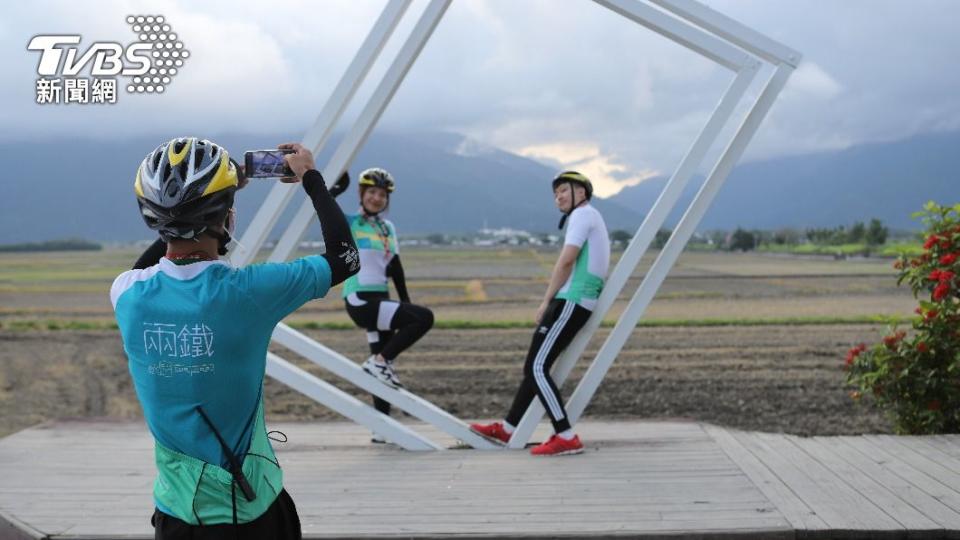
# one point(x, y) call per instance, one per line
point(687, 22)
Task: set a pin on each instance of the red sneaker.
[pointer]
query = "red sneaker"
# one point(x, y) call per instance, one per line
point(558, 446)
point(493, 431)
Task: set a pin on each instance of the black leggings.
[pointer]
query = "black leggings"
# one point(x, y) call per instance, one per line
point(392, 327)
point(561, 321)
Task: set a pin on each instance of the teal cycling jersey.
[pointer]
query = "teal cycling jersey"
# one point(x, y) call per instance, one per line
point(197, 335)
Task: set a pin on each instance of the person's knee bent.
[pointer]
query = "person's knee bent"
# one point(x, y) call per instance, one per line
point(427, 319)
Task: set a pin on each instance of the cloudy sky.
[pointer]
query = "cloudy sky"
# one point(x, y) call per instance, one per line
point(565, 81)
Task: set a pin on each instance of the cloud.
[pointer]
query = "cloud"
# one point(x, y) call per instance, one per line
point(607, 172)
point(811, 80)
point(539, 75)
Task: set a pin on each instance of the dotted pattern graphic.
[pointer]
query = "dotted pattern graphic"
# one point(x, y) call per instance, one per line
point(167, 53)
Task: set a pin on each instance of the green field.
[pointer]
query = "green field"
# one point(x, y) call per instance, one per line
point(746, 340)
point(499, 288)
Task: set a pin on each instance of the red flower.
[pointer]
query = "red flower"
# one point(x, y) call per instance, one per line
point(945, 243)
point(922, 347)
point(933, 405)
point(934, 276)
point(948, 259)
point(940, 291)
point(946, 276)
point(854, 352)
point(931, 241)
point(918, 311)
point(932, 314)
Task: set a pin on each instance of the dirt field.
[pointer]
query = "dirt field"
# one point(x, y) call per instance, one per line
point(762, 377)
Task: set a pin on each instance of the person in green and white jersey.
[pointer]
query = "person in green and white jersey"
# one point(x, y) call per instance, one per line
point(392, 327)
point(571, 296)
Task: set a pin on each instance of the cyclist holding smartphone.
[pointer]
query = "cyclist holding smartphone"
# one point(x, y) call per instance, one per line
point(196, 331)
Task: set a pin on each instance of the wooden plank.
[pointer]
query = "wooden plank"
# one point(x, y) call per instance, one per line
point(949, 444)
point(906, 491)
point(657, 479)
point(914, 455)
point(928, 484)
point(791, 506)
point(925, 447)
point(821, 491)
point(901, 511)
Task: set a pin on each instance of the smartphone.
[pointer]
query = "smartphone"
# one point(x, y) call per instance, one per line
point(266, 163)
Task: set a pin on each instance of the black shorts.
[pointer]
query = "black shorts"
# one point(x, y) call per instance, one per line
point(279, 522)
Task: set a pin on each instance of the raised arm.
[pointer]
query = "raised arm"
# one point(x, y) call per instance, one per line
point(341, 254)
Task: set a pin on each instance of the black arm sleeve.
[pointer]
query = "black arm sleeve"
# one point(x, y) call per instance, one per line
point(395, 271)
point(152, 255)
point(341, 252)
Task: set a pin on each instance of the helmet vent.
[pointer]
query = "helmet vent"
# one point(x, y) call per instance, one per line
point(178, 146)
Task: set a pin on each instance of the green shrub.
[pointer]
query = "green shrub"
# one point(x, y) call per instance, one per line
point(915, 376)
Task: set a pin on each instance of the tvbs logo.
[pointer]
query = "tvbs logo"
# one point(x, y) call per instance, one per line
point(149, 64)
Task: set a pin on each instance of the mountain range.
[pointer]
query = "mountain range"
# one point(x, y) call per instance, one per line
point(448, 184)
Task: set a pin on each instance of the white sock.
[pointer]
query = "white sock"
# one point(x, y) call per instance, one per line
point(567, 434)
point(507, 427)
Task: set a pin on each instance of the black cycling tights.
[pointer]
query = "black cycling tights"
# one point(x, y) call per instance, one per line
point(392, 327)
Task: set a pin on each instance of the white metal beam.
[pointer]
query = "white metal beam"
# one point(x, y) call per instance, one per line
point(350, 145)
point(684, 21)
point(676, 30)
point(733, 31)
point(641, 242)
point(671, 251)
point(342, 367)
point(280, 194)
point(330, 396)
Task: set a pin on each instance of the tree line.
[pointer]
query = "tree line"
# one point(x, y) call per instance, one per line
point(871, 234)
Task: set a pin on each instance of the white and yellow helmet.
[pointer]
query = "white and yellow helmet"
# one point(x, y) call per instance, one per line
point(184, 186)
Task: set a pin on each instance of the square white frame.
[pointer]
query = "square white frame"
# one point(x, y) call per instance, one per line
point(687, 22)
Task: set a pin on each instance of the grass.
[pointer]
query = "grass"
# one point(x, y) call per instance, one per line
point(813, 249)
point(911, 249)
point(464, 324)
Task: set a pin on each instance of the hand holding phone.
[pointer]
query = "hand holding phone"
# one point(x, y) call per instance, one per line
point(267, 163)
point(300, 160)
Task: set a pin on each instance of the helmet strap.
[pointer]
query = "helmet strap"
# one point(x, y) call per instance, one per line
point(573, 205)
point(223, 239)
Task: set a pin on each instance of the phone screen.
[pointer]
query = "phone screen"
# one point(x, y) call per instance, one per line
point(266, 164)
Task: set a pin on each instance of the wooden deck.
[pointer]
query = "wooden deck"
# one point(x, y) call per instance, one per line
point(637, 479)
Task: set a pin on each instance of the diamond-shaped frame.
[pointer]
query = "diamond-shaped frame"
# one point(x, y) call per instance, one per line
point(687, 22)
